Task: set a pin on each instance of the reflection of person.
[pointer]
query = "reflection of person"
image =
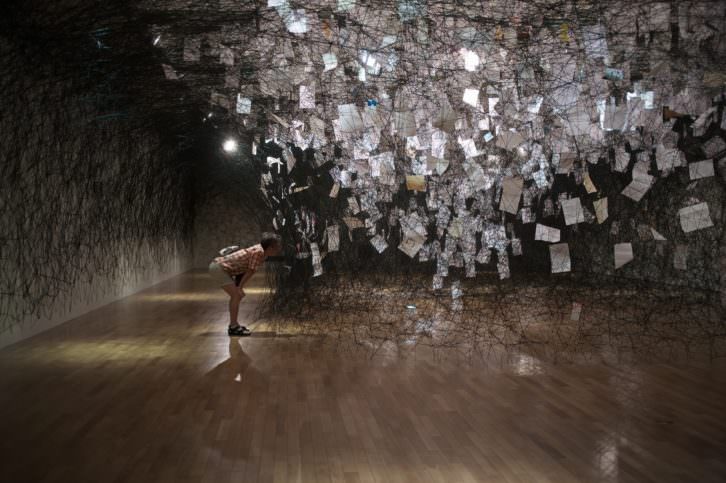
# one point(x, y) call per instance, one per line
point(232, 271)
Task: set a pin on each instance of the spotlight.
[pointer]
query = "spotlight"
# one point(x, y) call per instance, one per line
point(230, 146)
point(157, 39)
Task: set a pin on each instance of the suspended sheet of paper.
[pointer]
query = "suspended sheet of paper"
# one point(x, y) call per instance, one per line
point(469, 148)
point(572, 211)
point(169, 72)
point(278, 120)
point(534, 104)
point(334, 190)
point(540, 178)
point(416, 183)
point(503, 265)
point(445, 117)
point(379, 243)
point(295, 20)
point(695, 217)
point(576, 311)
point(471, 97)
point(476, 176)
point(701, 169)
point(438, 282)
point(317, 267)
point(667, 158)
point(470, 266)
point(492, 106)
point(437, 165)
point(438, 144)
point(565, 163)
point(560, 258)
point(601, 209)
point(330, 61)
point(589, 185)
point(516, 247)
point(404, 123)
point(454, 229)
point(511, 193)
point(495, 236)
point(349, 119)
point(411, 243)
point(623, 253)
point(595, 39)
point(484, 255)
point(509, 140)
point(656, 236)
point(353, 205)
point(442, 264)
point(274, 164)
point(345, 5)
point(353, 223)
point(546, 233)
point(640, 184)
point(333, 235)
point(307, 97)
point(413, 224)
point(382, 166)
point(622, 159)
point(244, 105)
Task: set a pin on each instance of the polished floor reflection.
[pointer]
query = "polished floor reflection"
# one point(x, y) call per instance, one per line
point(150, 388)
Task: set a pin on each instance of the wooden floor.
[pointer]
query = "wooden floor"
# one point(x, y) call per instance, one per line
point(150, 388)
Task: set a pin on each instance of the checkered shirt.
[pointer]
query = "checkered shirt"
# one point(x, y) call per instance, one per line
point(243, 260)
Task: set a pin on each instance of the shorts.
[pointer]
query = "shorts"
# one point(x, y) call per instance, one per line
point(221, 277)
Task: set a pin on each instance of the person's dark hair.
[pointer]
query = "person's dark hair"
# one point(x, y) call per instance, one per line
point(270, 239)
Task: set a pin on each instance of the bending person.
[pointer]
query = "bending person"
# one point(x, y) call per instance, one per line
point(232, 271)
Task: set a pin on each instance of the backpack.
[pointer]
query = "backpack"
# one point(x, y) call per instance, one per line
point(230, 249)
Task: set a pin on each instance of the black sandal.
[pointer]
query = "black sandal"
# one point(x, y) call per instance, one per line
point(238, 331)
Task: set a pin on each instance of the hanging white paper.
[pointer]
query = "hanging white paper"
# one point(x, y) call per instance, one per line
point(560, 258)
point(546, 233)
point(623, 254)
point(695, 217)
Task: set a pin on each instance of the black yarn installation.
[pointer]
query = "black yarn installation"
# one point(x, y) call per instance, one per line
point(130, 104)
point(97, 157)
point(646, 309)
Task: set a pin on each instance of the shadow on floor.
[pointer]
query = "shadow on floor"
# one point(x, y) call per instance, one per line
point(261, 334)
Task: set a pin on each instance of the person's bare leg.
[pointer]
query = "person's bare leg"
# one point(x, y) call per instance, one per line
point(234, 299)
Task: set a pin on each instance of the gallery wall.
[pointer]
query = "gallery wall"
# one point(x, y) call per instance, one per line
point(96, 200)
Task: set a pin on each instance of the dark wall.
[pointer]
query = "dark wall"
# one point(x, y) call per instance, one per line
point(96, 197)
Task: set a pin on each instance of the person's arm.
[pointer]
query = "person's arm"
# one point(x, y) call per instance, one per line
point(248, 274)
point(255, 261)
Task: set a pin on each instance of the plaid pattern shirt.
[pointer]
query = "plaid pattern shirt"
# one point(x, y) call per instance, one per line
point(243, 260)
